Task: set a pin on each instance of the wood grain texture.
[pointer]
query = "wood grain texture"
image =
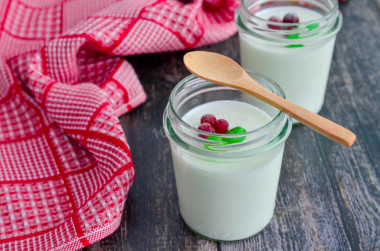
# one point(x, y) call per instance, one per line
point(328, 196)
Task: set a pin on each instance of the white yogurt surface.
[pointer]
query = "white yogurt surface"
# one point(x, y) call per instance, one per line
point(235, 112)
point(303, 14)
point(227, 199)
point(301, 72)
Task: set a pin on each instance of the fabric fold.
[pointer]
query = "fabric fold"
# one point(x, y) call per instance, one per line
point(65, 165)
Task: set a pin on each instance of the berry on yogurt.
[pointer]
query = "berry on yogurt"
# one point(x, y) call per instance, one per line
point(221, 126)
point(290, 18)
point(208, 118)
point(276, 20)
point(206, 127)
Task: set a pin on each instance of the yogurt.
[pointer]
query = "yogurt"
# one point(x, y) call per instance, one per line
point(300, 66)
point(224, 199)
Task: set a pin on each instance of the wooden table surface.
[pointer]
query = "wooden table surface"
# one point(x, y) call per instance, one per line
point(328, 196)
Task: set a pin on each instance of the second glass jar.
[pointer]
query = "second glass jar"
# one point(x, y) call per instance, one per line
point(296, 55)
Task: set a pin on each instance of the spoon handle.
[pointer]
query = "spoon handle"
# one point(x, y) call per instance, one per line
point(310, 119)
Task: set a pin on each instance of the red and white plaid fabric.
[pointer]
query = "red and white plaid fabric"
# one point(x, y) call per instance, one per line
point(65, 165)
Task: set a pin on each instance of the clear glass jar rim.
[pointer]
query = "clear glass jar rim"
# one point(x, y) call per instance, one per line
point(304, 33)
point(325, 17)
point(271, 123)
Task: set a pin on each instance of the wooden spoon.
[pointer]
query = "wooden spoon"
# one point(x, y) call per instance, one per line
point(222, 70)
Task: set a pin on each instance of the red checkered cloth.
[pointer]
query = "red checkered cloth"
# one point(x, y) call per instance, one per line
point(65, 165)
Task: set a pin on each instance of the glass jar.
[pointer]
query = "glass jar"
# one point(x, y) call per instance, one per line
point(296, 55)
point(226, 192)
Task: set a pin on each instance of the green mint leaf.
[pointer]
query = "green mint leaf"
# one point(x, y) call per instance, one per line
point(235, 130)
point(312, 26)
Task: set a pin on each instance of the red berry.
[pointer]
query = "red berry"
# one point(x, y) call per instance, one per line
point(274, 19)
point(290, 18)
point(221, 126)
point(208, 118)
point(206, 127)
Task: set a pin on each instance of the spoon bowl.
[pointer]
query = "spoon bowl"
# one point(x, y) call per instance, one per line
point(223, 70)
point(208, 64)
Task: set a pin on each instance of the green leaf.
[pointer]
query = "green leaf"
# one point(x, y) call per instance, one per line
point(226, 141)
point(235, 130)
point(312, 26)
point(293, 36)
point(215, 138)
point(294, 45)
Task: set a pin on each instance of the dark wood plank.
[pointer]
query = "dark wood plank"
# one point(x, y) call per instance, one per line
point(329, 195)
